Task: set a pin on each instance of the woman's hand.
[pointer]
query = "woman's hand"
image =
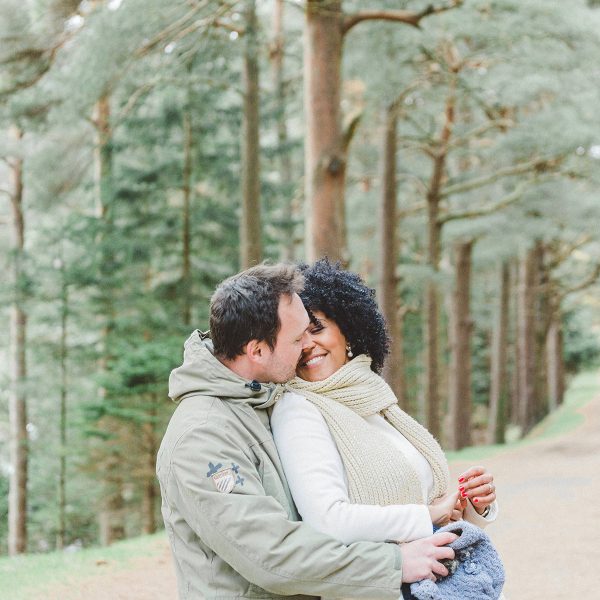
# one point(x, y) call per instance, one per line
point(477, 485)
point(459, 509)
point(442, 509)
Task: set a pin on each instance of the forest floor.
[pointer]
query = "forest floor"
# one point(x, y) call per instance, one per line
point(548, 531)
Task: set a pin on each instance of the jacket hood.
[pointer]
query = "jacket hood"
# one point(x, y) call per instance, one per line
point(203, 374)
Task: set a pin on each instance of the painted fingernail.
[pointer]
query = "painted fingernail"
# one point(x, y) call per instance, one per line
point(461, 488)
point(461, 479)
point(475, 500)
point(463, 494)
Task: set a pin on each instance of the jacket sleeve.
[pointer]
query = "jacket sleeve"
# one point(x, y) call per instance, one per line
point(252, 532)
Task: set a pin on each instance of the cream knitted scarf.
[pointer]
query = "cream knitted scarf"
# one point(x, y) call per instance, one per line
point(378, 473)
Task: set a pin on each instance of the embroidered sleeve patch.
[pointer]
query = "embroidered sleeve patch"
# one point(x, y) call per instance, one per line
point(225, 479)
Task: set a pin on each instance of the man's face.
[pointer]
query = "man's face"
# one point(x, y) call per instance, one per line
point(292, 340)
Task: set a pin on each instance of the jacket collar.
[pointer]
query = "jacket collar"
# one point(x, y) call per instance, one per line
point(203, 374)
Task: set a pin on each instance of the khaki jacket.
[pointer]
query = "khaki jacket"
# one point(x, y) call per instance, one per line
point(231, 522)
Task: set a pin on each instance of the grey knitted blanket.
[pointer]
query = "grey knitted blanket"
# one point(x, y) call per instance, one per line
point(476, 573)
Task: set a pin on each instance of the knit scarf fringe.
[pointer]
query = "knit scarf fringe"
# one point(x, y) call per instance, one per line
point(378, 473)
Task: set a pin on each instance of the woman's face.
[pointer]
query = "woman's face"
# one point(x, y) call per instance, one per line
point(326, 354)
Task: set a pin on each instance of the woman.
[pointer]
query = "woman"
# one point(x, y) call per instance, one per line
point(359, 468)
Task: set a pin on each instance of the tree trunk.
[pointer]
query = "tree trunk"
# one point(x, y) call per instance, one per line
point(111, 515)
point(542, 323)
point(461, 324)
point(561, 384)
point(288, 243)
point(186, 274)
point(112, 518)
point(389, 299)
point(62, 477)
point(17, 398)
point(527, 342)
point(250, 222)
point(515, 319)
point(149, 485)
point(553, 351)
point(499, 381)
point(434, 233)
point(325, 155)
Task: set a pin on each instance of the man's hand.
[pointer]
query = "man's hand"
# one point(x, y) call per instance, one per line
point(420, 559)
point(442, 509)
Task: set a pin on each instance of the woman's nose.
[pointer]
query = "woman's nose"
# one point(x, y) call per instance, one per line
point(307, 342)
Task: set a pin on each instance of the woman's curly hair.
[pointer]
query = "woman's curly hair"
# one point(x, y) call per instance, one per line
point(345, 298)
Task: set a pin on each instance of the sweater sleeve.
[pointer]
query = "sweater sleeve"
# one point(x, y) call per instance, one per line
point(317, 480)
point(472, 516)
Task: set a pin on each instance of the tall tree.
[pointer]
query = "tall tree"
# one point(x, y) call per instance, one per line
point(460, 367)
point(250, 222)
point(17, 402)
point(526, 340)
point(499, 382)
point(288, 245)
point(327, 140)
point(389, 298)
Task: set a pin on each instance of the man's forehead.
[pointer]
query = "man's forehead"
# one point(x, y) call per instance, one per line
point(291, 311)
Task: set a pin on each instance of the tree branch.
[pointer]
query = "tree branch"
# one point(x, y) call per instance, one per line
point(175, 28)
point(562, 254)
point(230, 27)
point(350, 129)
point(47, 54)
point(537, 164)
point(511, 198)
point(133, 100)
point(585, 283)
point(400, 16)
point(477, 131)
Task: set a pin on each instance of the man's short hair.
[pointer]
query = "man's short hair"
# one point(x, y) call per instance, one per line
point(244, 307)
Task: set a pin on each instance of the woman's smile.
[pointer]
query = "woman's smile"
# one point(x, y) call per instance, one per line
point(327, 352)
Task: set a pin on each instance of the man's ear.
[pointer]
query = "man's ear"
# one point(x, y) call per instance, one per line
point(256, 350)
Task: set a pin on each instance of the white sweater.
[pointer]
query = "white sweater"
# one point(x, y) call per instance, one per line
point(318, 483)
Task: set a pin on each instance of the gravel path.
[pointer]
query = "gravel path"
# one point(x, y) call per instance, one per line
point(548, 531)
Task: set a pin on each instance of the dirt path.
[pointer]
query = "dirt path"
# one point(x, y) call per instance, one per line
point(548, 532)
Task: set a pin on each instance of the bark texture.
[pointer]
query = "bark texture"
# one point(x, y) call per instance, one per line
point(186, 271)
point(63, 353)
point(434, 231)
point(555, 362)
point(527, 342)
point(111, 517)
point(461, 328)
point(499, 380)
point(288, 243)
point(389, 299)
point(325, 155)
point(250, 222)
point(17, 397)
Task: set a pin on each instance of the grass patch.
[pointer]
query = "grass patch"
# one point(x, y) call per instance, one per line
point(582, 389)
point(27, 575)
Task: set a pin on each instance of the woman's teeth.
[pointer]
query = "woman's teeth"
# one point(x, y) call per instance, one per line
point(314, 360)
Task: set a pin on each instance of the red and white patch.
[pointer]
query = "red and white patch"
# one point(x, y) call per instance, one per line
point(224, 480)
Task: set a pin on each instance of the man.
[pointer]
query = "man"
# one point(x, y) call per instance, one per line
point(233, 527)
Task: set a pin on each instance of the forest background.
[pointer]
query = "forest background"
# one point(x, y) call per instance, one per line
point(449, 152)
